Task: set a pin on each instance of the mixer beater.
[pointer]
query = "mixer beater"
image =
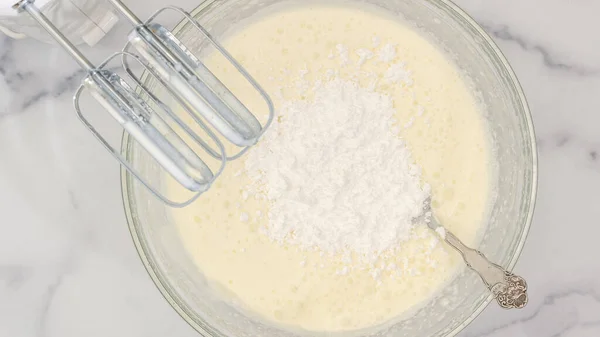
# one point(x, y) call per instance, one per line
point(146, 118)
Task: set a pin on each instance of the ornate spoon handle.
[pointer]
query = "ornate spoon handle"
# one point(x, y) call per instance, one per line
point(510, 290)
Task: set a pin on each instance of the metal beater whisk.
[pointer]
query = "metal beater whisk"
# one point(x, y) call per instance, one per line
point(204, 97)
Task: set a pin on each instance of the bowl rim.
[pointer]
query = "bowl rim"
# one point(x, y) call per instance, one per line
point(207, 331)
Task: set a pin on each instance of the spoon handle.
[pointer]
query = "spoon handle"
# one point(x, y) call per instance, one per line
point(509, 290)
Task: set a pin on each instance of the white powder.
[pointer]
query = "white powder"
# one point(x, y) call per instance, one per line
point(397, 74)
point(343, 54)
point(441, 231)
point(387, 53)
point(376, 41)
point(364, 55)
point(337, 178)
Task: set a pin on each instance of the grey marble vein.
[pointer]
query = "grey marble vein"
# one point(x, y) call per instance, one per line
point(66, 85)
point(46, 305)
point(552, 299)
point(14, 276)
point(559, 140)
point(73, 199)
point(504, 33)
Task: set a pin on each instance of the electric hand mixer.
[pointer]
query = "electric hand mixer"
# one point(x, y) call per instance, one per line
point(210, 104)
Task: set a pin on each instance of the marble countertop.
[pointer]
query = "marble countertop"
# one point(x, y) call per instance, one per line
point(67, 264)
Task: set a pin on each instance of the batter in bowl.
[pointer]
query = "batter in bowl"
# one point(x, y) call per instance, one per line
point(239, 234)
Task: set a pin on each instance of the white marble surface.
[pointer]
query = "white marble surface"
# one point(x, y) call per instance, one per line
point(67, 264)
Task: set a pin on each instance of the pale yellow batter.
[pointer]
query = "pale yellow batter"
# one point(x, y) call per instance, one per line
point(447, 138)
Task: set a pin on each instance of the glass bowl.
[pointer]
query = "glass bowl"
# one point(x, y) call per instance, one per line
point(512, 135)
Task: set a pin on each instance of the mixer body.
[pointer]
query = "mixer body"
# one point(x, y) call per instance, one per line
point(81, 21)
point(209, 117)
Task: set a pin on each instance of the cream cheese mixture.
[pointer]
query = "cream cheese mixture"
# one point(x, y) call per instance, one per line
point(318, 226)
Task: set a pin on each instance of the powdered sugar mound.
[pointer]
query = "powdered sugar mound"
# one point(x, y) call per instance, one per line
point(364, 55)
point(376, 41)
point(387, 53)
point(343, 53)
point(441, 231)
point(337, 177)
point(397, 73)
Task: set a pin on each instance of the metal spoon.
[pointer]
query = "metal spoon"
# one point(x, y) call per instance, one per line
point(509, 289)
